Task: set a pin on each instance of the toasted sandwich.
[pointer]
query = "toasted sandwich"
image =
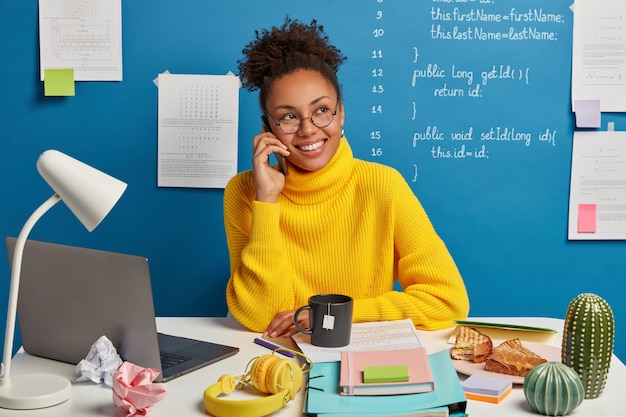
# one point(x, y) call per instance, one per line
point(512, 358)
point(471, 345)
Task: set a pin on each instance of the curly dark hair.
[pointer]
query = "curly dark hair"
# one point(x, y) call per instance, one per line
point(283, 50)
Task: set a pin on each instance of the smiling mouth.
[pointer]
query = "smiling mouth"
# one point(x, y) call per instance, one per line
point(311, 147)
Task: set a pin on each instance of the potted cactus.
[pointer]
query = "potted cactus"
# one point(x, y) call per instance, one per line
point(588, 338)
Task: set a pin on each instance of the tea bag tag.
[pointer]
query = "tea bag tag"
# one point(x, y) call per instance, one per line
point(329, 321)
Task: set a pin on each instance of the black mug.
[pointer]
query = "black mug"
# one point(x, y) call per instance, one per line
point(330, 319)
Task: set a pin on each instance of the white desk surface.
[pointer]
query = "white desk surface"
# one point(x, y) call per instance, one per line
point(184, 396)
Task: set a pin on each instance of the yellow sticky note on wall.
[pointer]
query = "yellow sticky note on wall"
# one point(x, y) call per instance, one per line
point(58, 82)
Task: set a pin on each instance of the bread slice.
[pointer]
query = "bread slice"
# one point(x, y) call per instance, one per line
point(512, 358)
point(471, 345)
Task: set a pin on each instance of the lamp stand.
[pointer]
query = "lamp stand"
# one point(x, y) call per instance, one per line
point(25, 392)
point(31, 391)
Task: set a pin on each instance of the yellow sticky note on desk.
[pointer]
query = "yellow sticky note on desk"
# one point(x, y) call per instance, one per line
point(58, 82)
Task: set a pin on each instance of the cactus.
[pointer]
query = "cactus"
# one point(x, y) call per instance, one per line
point(553, 389)
point(588, 337)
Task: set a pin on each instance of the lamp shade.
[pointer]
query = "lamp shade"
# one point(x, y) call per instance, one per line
point(89, 193)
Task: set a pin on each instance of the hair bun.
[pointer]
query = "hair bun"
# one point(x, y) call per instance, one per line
point(281, 50)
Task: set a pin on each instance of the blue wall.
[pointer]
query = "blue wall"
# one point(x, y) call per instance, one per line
point(502, 210)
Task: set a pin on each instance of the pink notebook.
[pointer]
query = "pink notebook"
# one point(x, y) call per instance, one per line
point(416, 359)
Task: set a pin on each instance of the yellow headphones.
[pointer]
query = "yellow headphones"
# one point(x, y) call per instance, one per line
point(268, 374)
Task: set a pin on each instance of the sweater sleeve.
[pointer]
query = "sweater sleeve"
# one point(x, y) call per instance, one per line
point(255, 267)
point(434, 293)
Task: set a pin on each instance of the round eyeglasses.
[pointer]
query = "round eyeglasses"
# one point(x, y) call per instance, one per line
point(291, 123)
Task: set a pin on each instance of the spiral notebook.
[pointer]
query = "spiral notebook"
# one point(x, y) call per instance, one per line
point(70, 296)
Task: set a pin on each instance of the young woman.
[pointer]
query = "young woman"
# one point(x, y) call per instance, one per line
point(333, 224)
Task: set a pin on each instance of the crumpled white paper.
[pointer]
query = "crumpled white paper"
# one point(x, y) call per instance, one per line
point(99, 363)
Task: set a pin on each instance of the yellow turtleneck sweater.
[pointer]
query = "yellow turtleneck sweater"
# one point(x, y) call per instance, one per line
point(353, 228)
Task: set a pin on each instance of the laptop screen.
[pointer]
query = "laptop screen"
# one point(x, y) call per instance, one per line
point(70, 296)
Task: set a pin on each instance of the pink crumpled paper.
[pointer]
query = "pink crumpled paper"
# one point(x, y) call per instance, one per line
point(134, 391)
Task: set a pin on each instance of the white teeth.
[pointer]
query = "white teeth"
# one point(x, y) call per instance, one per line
point(312, 147)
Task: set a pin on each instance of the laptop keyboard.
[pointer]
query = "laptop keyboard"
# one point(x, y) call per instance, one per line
point(169, 359)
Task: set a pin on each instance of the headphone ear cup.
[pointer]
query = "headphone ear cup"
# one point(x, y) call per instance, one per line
point(287, 374)
point(227, 383)
point(260, 372)
point(270, 374)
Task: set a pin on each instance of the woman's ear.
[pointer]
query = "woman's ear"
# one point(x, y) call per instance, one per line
point(342, 115)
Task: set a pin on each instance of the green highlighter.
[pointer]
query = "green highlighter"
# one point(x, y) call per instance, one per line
point(380, 374)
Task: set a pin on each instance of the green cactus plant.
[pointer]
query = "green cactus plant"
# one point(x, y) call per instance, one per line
point(588, 338)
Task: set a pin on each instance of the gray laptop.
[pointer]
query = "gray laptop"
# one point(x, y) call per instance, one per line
point(70, 296)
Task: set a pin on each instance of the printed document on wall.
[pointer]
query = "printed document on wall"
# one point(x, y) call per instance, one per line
point(597, 208)
point(198, 128)
point(85, 35)
point(599, 54)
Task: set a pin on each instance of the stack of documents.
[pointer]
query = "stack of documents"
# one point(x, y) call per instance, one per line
point(443, 395)
point(404, 371)
point(324, 400)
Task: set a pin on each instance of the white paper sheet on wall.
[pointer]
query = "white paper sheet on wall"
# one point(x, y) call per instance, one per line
point(197, 132)
point(597, 208)
point(85, 35)
point(599, 54)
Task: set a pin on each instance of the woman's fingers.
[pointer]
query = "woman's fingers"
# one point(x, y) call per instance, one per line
point(282, 324)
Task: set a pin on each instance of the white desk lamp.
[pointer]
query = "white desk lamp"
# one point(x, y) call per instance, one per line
point(90, 194)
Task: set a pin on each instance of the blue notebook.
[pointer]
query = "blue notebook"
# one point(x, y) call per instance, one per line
point(431, 412)
point(322, 396)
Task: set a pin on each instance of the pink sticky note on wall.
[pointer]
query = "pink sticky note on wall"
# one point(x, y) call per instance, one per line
point(586, 218)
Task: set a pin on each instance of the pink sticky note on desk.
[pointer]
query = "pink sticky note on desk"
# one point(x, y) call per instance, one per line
point(586, 218)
